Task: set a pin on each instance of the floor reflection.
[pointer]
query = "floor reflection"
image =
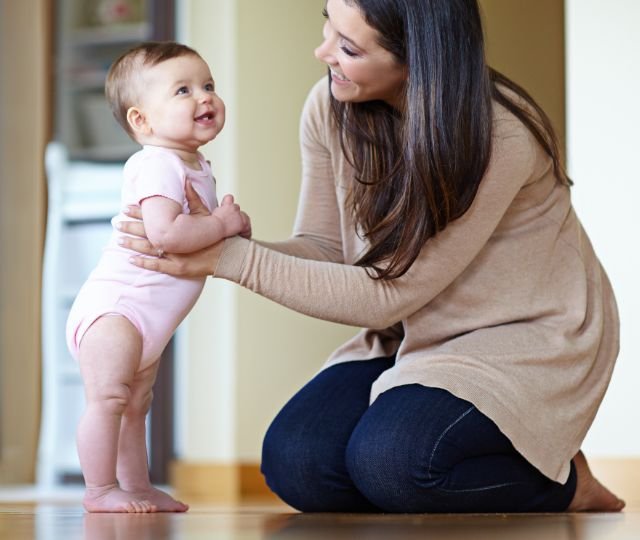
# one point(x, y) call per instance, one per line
point(70, 522)
point(450, 527)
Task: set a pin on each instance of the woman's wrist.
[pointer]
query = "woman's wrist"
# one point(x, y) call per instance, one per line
point(231, 257)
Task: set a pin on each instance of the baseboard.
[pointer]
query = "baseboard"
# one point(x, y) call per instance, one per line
point(233, 482)
point(237, 482)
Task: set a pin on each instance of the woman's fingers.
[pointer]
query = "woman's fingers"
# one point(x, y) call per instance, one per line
point(190, 265)
point(136, 228)
point(133, 211)
point(141, 245)
point(165, 265)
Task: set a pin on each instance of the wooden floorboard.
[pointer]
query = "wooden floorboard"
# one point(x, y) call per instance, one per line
point(66, 520)
point(29, 513)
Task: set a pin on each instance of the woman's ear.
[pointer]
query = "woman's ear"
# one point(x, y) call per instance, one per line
point(138, 122)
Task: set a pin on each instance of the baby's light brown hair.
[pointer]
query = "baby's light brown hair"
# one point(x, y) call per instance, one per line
point(122, 89)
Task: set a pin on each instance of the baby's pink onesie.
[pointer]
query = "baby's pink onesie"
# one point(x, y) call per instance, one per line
point(153, 302)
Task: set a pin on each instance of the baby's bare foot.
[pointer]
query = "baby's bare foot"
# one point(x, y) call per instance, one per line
point(113, 499)
point(162, 501)
point(591, 495)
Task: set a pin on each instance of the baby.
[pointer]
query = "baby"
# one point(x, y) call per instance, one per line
point(164, 96)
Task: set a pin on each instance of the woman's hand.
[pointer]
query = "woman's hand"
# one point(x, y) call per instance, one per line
point(189, 265)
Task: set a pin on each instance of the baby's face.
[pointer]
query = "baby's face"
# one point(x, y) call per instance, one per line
point(180, 105)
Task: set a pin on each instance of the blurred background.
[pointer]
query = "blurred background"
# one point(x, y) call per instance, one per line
point(238, 357)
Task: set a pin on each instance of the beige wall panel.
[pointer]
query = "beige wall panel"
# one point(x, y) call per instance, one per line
point(525, 41)
point(278, 350)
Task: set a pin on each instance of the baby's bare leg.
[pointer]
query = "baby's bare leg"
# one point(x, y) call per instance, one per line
point(132, 467)
point(109, 357)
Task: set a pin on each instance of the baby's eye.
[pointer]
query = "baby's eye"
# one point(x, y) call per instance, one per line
point(209, 87)
point(182, 90)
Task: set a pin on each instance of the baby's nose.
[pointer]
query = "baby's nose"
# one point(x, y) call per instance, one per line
point(204, 97)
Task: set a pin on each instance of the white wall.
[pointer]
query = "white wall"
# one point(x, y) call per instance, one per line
point(603, 144)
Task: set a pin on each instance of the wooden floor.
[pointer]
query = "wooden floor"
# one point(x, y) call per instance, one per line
point(63, 518)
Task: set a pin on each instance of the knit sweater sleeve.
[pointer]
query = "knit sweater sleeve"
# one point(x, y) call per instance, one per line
point(330, 290)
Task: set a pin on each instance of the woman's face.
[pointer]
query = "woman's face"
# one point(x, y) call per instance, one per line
point(361, 70)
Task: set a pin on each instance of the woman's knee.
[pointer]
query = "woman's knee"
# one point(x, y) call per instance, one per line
point(386, 471)
point(281, 453)
point(301, 468)
point(390, 455)
point(303, 458)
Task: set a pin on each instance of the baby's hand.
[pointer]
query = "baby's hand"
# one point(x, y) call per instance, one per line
point(246, 232)
point(234, 221)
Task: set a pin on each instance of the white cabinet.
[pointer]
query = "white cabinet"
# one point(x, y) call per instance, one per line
point(90, 35)
point(83, 197)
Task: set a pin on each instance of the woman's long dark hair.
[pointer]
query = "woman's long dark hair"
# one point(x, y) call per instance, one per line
point(419, 168)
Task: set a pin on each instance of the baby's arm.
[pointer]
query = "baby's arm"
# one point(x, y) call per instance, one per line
point(170, 230)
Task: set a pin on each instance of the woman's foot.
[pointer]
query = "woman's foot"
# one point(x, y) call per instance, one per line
point(591, 495)
point(113, 499)
point(163, 502)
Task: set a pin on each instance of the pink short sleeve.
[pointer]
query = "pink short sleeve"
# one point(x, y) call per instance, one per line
point(159, 173)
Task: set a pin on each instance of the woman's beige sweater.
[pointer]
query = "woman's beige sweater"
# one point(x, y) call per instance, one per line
point(508, 307)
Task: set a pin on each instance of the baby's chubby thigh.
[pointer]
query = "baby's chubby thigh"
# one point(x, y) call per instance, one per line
point(114, 366)
point(125, 328)
point(109, 356)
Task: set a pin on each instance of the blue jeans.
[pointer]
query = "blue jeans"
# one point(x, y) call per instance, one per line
point(415, 449)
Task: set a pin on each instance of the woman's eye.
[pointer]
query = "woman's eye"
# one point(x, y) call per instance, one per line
point(182, 90)
point(348, 51)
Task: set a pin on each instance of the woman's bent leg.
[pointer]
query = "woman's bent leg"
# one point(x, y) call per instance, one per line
point(591, 495)
point(303, 455)
point(420, 449)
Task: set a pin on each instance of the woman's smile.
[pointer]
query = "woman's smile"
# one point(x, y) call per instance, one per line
point(338, 77)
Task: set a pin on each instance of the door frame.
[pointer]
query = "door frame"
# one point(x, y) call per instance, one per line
point(25, 126)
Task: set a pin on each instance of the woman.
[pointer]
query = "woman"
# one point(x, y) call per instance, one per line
point(435, 213)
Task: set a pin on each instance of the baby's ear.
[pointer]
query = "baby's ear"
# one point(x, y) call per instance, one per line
point(137, 121)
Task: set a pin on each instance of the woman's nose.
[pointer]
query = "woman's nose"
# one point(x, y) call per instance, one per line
point(324, 51)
